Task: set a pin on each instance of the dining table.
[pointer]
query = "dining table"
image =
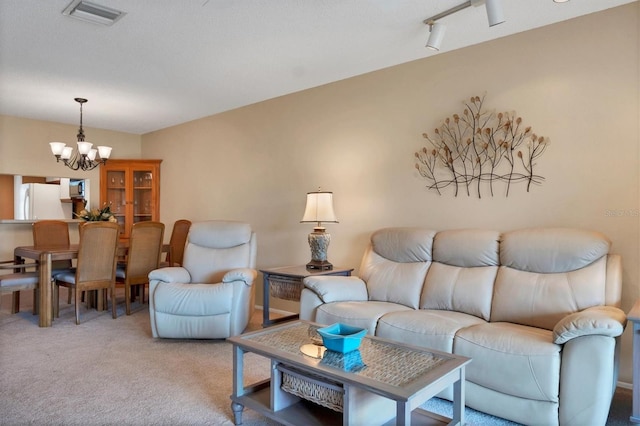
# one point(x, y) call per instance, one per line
point(44, 256)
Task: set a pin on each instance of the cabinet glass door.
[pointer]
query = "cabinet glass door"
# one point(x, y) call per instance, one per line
point(143, 203)
point(116, 196)
point(132, 188)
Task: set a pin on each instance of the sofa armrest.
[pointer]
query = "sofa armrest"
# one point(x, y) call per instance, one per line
point(247, 275)
point(602, 320)
point(330, 288)
point(171, 274)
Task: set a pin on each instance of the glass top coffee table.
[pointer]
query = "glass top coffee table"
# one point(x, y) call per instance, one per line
point(382, 382)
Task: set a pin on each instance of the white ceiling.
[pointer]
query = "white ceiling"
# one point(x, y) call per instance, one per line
point(171, 61)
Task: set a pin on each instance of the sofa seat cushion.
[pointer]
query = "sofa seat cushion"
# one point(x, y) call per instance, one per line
point(193, 299)
point(434, 329)
point(357, 314)
point(512, 359)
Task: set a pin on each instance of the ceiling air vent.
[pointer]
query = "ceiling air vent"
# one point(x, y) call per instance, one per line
point(91, 12)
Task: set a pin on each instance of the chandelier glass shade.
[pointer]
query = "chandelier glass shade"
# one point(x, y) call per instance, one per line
point(84, 157)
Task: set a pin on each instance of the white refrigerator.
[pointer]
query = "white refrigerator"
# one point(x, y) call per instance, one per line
point(40, 201)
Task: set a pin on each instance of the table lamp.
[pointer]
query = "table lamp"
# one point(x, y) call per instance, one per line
point(319, 209)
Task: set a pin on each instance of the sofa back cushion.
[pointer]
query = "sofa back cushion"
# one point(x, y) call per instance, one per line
point(549, 273)
point(461, 278)
point(395, 264)
point(215, 247)
point(549, 250)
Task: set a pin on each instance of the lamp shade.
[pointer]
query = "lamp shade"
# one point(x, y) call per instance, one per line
point(319, 208)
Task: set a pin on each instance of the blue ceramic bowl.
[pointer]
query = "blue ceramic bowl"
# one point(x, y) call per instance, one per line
point(342, 337)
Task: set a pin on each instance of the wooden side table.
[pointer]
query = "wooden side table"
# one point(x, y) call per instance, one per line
point(286, 283)
point(634, 317)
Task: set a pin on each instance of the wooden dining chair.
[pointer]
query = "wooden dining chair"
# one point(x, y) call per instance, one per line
point(177, 242)
point(143, 256)
point(18, 280)
point(53, 233)
point(96, 265)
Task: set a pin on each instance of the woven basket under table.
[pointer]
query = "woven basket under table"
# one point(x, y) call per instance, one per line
point(312, 388)
point(286, 288)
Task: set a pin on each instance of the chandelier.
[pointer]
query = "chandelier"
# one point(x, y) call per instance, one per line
point(84, 158)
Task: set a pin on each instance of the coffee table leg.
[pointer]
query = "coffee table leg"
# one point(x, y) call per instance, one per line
point(237, 412)
point(403, 414)
point(238, 383)
point(458, 400)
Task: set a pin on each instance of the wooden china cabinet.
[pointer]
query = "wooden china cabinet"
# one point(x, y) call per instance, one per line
point(132, 189)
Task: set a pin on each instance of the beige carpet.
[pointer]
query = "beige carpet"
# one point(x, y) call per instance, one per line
point(107, 372)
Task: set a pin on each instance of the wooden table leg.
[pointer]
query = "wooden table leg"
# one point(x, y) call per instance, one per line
point(46, 293)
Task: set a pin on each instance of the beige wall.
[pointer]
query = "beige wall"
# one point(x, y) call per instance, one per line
point(24, 150)
point(577, 83)
point(574, 84)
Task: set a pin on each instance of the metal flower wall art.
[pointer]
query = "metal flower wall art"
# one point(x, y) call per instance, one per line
point(480, 151)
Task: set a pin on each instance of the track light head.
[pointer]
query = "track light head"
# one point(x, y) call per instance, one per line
point(436, 35)
point(495, 14)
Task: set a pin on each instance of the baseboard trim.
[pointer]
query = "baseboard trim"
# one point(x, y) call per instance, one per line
point(275, 311)
point(624, 385)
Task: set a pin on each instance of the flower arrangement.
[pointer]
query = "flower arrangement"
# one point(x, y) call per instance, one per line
point(95, 215)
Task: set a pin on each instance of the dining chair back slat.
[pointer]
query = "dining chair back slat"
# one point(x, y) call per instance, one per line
point(143, 256)
point(96, 254)
point(177, 242)
point(96, 264)
point(54, 234)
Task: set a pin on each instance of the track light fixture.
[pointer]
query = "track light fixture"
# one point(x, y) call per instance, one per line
point(436, 34)
point(495, 16)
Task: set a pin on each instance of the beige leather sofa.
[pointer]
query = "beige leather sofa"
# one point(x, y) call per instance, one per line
point(537, 310)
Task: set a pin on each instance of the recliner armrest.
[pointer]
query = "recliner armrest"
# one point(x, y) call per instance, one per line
point(171, 274)
point(336, 288)
point(601, 320)
point(247, 275)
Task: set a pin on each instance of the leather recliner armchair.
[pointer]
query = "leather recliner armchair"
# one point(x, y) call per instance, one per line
point(211, 295)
